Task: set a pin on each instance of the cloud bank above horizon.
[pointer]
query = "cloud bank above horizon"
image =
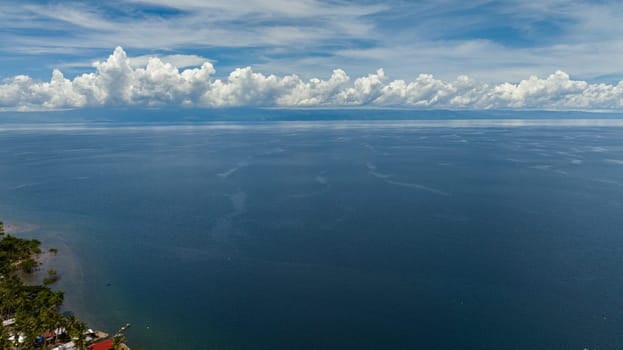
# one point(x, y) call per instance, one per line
point(158, 82)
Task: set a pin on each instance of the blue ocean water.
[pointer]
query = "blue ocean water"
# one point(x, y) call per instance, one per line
point(330, 235)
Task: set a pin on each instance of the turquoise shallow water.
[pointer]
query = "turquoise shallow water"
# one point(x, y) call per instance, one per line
point(332, 235)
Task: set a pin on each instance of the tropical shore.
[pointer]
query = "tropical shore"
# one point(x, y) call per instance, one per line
point(30, 310)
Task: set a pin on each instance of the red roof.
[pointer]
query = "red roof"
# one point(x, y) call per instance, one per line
point(103, 345)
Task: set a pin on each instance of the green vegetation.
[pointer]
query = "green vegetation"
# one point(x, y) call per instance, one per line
point(117, 340)
point(53, 251)
point(18, 252)
point(28, 265)
point(34, 308)
point(51, 278)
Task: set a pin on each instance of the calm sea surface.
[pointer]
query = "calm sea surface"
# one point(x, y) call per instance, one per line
point(330, 235)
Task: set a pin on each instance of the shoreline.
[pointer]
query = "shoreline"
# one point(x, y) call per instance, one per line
point(62, 261)
point(65, 262)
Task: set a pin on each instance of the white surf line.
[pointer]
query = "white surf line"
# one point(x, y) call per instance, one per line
point(239, 166)
point(228, 172)
point(610, 182)
point(379, 175)
point(26, 185)
point(419, 187)
point(385, 177)
point(614, 161)
point(372, 171)
point(542, 167)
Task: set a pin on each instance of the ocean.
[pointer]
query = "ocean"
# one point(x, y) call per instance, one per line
point(331, 234)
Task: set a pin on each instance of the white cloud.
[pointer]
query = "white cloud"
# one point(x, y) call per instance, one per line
point(219, 23)
point(159, 82)
point(497, 41)
point(179, 61)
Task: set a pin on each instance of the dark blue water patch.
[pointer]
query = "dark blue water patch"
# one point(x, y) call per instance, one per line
point(328, 238)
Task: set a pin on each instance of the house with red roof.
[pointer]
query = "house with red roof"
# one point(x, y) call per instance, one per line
point(103, 345)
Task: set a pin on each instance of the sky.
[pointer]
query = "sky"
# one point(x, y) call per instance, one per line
point(480, 54)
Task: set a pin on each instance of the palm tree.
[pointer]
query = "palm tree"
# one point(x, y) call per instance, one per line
point(76, 329)
point(5, 343)
point(117, 340)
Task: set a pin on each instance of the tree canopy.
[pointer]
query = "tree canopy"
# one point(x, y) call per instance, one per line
point(35, 308)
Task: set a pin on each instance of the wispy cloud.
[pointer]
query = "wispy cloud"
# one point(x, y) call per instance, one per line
point(196, 23)
point(118, 82)
point(491, 40)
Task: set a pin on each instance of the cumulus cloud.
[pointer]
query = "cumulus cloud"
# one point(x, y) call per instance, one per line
point(179, 61)
point(118, 81)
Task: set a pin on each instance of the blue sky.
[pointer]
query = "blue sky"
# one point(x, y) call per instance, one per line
point(490, 41)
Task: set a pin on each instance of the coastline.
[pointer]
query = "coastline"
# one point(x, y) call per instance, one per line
point(51, 257)
point(65, 262)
